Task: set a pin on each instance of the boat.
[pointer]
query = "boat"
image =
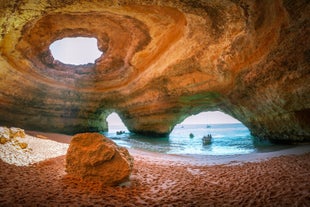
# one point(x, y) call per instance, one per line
point(120, 132)
point(206, 140)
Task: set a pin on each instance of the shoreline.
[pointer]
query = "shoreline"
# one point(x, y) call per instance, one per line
point(163, 180)
point(195, 159)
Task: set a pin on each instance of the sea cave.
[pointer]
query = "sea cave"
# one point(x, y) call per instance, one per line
point(162, 62)
point(155, 63)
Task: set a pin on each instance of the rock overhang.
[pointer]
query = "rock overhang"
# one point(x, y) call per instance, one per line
point(116, 41)
point(163, 61)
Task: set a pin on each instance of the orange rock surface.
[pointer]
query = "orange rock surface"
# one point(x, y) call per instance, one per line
point(163, 61)
point(93, 157)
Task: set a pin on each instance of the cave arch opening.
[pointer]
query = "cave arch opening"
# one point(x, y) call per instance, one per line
point(115, 124)
point(229, 136)
point(76, 50)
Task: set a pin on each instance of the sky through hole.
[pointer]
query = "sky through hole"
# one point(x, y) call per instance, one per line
point(76, 51)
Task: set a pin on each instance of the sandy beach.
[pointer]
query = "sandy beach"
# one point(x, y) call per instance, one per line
point(279, 178)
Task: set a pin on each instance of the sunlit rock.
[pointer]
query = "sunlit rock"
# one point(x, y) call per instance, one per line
point(23, 145)
point(11, 135)
point(17, 132)
point(5, 133)
point(163, 61)
point(94, 157)
point(8, 134)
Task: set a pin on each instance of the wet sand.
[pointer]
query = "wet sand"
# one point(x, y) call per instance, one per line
point(165, 180)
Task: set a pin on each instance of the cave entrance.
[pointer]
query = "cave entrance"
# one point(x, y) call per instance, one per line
point(75, 50)
point(229, 136)
point(115, 124)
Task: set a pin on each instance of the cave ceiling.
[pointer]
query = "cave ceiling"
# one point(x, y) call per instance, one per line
point(162, 62)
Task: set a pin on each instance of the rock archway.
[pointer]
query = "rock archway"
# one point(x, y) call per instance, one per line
point(164, 60)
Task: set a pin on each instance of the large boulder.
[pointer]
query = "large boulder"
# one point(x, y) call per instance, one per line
point(92, 156)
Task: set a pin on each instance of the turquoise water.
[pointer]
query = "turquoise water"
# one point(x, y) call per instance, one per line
point(227, 139)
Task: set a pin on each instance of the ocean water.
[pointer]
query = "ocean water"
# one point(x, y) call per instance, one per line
point(227, 139)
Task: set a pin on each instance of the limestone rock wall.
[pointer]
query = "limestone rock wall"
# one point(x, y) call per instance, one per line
point(163, 61)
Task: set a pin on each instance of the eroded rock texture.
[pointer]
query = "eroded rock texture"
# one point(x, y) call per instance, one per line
point(93, 157)
point(163, 61)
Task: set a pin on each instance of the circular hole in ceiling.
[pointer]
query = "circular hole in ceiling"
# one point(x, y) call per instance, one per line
point(76, 50)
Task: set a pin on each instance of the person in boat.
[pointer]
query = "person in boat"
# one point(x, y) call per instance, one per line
point(120, 132)
point(207, 139)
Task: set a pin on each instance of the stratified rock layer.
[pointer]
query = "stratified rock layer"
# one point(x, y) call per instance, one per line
point(92, 156)
point(163, 61)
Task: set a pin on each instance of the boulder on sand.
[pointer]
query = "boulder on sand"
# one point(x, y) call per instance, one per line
point(93, 157)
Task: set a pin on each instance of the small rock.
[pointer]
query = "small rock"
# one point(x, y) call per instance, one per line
point(3, 140)
point(41, 136)
point(17, 132)
point(23, 145)
point(5, 132)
